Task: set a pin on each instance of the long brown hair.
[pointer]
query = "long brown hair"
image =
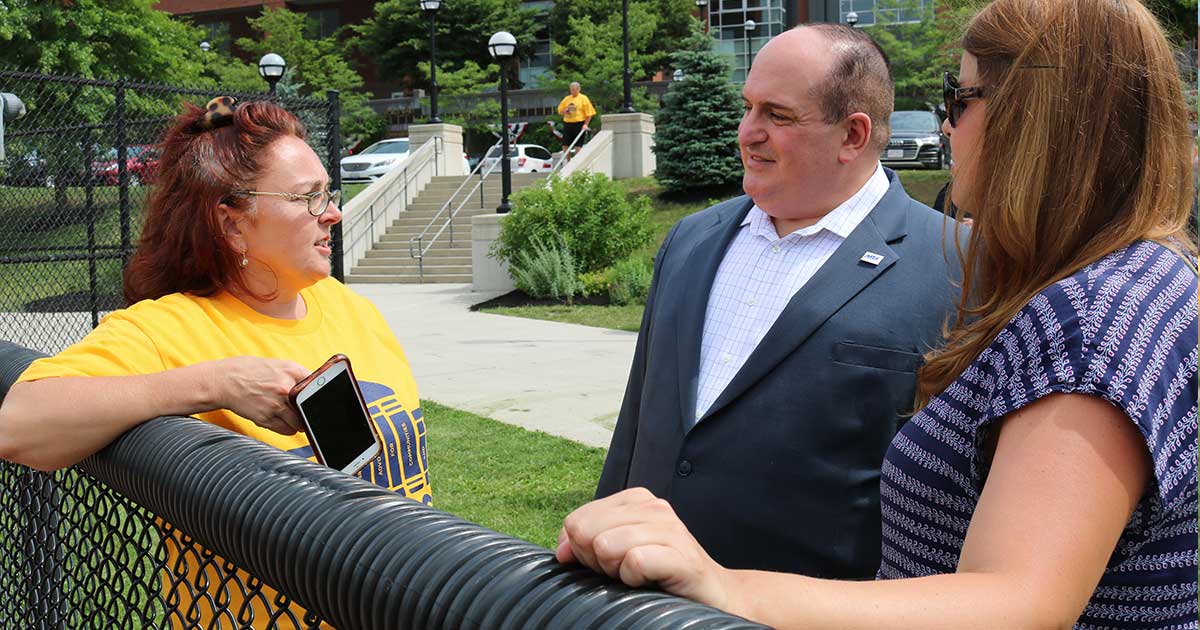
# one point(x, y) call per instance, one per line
point(183, 247)
point(1085, 149)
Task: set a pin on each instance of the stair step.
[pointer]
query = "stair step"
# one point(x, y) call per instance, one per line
point(437, 251)
point(429, 279)
point(430, 260)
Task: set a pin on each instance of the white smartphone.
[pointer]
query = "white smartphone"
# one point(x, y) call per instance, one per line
point(335, 416)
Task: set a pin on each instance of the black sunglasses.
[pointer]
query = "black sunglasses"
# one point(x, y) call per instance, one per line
point(956, 97)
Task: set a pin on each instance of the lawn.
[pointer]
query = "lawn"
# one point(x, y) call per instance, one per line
point(667, 210)
point(518, 482)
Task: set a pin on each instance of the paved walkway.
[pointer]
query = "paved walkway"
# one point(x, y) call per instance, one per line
point(564, 379)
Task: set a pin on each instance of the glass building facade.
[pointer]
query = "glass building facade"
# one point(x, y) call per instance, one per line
point(742, 27)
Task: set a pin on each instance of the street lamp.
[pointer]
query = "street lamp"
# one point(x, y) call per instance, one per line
point(11, 108)
point(677, 75)
point(700, 6)
point(851, 19)
point(431, 7)
point(271, 68)
point(205, 46)
point(748, 26)
point(501, 47)
point(627, 108)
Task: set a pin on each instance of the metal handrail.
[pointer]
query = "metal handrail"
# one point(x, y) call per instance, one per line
point(416, 164)
point(416, 246)
point(566, 154)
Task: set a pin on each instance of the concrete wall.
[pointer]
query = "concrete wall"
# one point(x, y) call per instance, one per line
point(487, 273)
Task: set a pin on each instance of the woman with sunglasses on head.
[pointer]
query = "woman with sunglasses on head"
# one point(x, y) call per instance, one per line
point(1048, 478)
point(231, 304)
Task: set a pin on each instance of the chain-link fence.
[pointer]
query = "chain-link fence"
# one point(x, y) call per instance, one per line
point(181, 524)
point(73, 185)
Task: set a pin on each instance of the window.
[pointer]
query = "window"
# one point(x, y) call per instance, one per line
point(217, 35)
point(872, 12)
point(537, 153)
point(322, 23)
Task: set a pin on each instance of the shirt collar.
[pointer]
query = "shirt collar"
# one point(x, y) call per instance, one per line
point(840, 221)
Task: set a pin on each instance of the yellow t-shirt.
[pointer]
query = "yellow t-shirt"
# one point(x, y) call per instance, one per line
point(177, 330)
point(583, 108)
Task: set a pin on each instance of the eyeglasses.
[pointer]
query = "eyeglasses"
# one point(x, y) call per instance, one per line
point(318, 202)
point(956, 97)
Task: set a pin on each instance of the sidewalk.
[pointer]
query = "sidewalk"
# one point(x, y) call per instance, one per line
point(564, 379)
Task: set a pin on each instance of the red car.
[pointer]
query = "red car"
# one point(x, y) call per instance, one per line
point(141, 163)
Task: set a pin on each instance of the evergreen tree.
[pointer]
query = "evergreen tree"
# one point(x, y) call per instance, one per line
point(696, 138)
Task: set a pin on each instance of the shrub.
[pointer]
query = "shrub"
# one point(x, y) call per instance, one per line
point(595, 282)
point(548, 271)
point(587, 210)
point(630, 281)
point(696, 137)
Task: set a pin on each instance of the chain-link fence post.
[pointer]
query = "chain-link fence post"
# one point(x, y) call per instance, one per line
point(334, 141)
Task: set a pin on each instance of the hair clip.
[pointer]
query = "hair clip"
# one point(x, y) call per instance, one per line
point(219, 114)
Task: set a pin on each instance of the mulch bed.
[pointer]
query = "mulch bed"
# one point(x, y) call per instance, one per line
point(520, 298)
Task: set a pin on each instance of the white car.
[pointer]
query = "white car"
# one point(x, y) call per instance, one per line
point(523, 158)
point(374, 161)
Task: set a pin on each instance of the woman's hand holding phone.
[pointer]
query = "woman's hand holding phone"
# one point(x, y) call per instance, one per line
point(257, 389)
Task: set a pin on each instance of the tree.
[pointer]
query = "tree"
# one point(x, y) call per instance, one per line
point(695, 141)
point(314, 65)
point(593, 55)
point(107, 39)
point(397, 36)
point(671, 25)
point(920, 52)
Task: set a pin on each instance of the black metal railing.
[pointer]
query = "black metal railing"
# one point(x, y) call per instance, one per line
point(73, 184)
point(182, 524)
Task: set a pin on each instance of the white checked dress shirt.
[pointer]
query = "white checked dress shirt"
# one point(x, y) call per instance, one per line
point(758, 277)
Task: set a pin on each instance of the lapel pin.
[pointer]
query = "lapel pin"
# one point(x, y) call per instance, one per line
point(871, 258)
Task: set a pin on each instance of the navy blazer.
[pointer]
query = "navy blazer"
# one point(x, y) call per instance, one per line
point(782, 472)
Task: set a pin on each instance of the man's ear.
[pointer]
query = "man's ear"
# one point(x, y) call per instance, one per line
point(858, 128)
point(231, 221)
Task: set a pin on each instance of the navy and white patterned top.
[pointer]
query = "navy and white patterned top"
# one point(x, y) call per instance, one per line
point(1123, 329)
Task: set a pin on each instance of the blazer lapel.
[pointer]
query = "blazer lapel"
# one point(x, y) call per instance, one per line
point(841, 278)
point(699, 272)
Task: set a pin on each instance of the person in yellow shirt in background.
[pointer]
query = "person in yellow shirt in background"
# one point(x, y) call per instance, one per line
point(231, 304)
point(577, 112)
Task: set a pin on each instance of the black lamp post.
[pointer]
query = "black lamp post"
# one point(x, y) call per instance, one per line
point(431, 7)
point(627, 108)
point(271, 67)
point(700, 6)
point(749, 26)
point(501, 46)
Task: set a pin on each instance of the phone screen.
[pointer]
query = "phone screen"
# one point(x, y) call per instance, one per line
point(336, 422)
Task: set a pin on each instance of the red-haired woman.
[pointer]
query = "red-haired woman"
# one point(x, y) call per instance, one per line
point(231, 305)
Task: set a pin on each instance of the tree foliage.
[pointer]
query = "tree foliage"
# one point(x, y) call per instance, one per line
point(669, 22)
point(396, 37)
point(107, 39)
point(695, 141)
point(593, 55)
point(921, 52)
point(314, 66)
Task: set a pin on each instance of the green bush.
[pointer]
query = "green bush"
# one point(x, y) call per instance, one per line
point(595, 282)
point(587, 210)
point(546, 272)
point(630, 281)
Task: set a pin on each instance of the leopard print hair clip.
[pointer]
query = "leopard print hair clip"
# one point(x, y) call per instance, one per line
point(219, 114)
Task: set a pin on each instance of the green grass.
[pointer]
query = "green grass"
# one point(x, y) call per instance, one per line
point(503, 477)
point(667, 210)
point(349, 190)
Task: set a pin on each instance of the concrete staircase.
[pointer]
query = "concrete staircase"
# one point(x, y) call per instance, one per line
point(389, 261)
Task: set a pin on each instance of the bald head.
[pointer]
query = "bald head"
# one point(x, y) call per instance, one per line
point(852, 73)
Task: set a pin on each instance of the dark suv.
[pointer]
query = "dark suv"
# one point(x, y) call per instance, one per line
point(916, 141)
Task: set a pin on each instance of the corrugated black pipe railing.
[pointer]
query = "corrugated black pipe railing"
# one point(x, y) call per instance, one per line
point(313, 533)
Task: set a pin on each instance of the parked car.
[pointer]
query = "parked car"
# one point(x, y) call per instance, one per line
point(916, 141)
point(523, 158)
point(28, 169)
point(141, 163)
point(374, 161)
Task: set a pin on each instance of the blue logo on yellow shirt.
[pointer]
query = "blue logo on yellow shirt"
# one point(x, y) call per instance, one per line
point(403, 466)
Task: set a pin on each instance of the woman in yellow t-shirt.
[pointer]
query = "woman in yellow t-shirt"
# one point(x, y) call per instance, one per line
point(231, 305)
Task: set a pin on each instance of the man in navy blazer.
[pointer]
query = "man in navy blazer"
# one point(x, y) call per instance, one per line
point(778, 351)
